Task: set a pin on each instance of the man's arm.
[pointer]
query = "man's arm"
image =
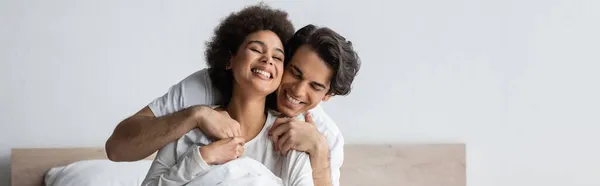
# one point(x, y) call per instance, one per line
point(321, 165)
point(142, 134)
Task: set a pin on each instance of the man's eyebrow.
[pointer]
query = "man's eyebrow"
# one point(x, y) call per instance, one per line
point(297, 69)
point(319, 84)
point(300, 74)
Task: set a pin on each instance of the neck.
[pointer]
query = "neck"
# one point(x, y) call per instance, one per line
point(249, 111)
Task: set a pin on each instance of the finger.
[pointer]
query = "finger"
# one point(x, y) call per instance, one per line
point(308, 117)
point(279, 130)
point(237, 130)
point(284, 139)
point(274, 140)
point(277, 133)
point(287, 147)
point(229, 133)
point(239, 140)
point(221, 135)
point(239, 151)
point(233, 131)
point(278, 122)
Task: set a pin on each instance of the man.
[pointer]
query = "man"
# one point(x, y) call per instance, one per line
point(323, 64)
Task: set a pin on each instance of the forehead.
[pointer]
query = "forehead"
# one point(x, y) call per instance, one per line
point(312, 66)
point(267, 37)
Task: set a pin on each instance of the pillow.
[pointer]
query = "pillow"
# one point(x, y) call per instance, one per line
point(98, 173)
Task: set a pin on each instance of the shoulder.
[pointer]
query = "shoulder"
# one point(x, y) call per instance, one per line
point(325, 124)
point(197, 89)
point(198, 79)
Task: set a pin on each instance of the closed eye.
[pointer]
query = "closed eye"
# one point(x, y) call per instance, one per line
point(316, 87)
point(296, 74)
point(277, 58)
point(255, 50)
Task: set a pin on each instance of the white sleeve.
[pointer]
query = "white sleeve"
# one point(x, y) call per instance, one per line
point(170, 102)
point(195, 89)
point(296, 169)
point(166, 170)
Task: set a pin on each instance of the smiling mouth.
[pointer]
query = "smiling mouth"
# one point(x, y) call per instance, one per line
point(262, 73)
point(292, 99)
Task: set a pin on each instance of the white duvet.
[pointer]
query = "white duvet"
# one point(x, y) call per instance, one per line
point(242, 171)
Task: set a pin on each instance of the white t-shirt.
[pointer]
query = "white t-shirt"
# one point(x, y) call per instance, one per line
point(180, 163)
point(197, 89)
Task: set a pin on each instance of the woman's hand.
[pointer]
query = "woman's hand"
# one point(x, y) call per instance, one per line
point(222, 151)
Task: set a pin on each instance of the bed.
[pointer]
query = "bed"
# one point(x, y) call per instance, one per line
point(370, 165)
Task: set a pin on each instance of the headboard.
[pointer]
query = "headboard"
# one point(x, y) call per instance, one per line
point(380, 165)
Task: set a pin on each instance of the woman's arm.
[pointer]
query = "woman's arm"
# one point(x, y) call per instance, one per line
point(170, 170)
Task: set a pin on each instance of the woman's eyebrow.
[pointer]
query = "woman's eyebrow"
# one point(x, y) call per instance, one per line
point(264, 45)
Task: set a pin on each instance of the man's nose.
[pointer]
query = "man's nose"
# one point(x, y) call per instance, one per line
point(299, 89)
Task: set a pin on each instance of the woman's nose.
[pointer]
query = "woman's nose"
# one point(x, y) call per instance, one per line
point(267, 59)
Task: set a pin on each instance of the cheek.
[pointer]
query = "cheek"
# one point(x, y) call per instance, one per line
point(244, 58)
point(315, 97)
point(279, 69)
point(287, 79)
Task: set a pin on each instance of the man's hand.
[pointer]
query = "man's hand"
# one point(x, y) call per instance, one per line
point(291, 134)
point(217, 124)
point(222, 151)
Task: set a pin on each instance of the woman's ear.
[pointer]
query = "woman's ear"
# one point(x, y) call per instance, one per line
point(228, 65)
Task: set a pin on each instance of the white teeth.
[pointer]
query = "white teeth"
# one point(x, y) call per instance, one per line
point(294, 101)
point(266, 74)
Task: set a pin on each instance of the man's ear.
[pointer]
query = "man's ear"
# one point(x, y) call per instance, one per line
point(328, 96)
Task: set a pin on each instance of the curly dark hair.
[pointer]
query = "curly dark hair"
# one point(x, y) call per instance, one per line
point(229, 35)
point(334, 49)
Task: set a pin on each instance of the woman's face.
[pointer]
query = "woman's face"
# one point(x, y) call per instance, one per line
point(258, 64)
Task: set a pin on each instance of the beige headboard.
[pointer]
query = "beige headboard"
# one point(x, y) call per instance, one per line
point(364, 165)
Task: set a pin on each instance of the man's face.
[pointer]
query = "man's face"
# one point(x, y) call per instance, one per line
point(305, 83)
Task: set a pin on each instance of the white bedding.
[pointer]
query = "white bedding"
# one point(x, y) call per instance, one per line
point(98, 173)
point(243, 171)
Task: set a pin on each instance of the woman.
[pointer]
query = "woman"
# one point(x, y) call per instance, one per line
point(246, 60)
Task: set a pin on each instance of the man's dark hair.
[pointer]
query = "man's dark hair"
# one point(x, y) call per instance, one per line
point(230, 34)
point(332, 48)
